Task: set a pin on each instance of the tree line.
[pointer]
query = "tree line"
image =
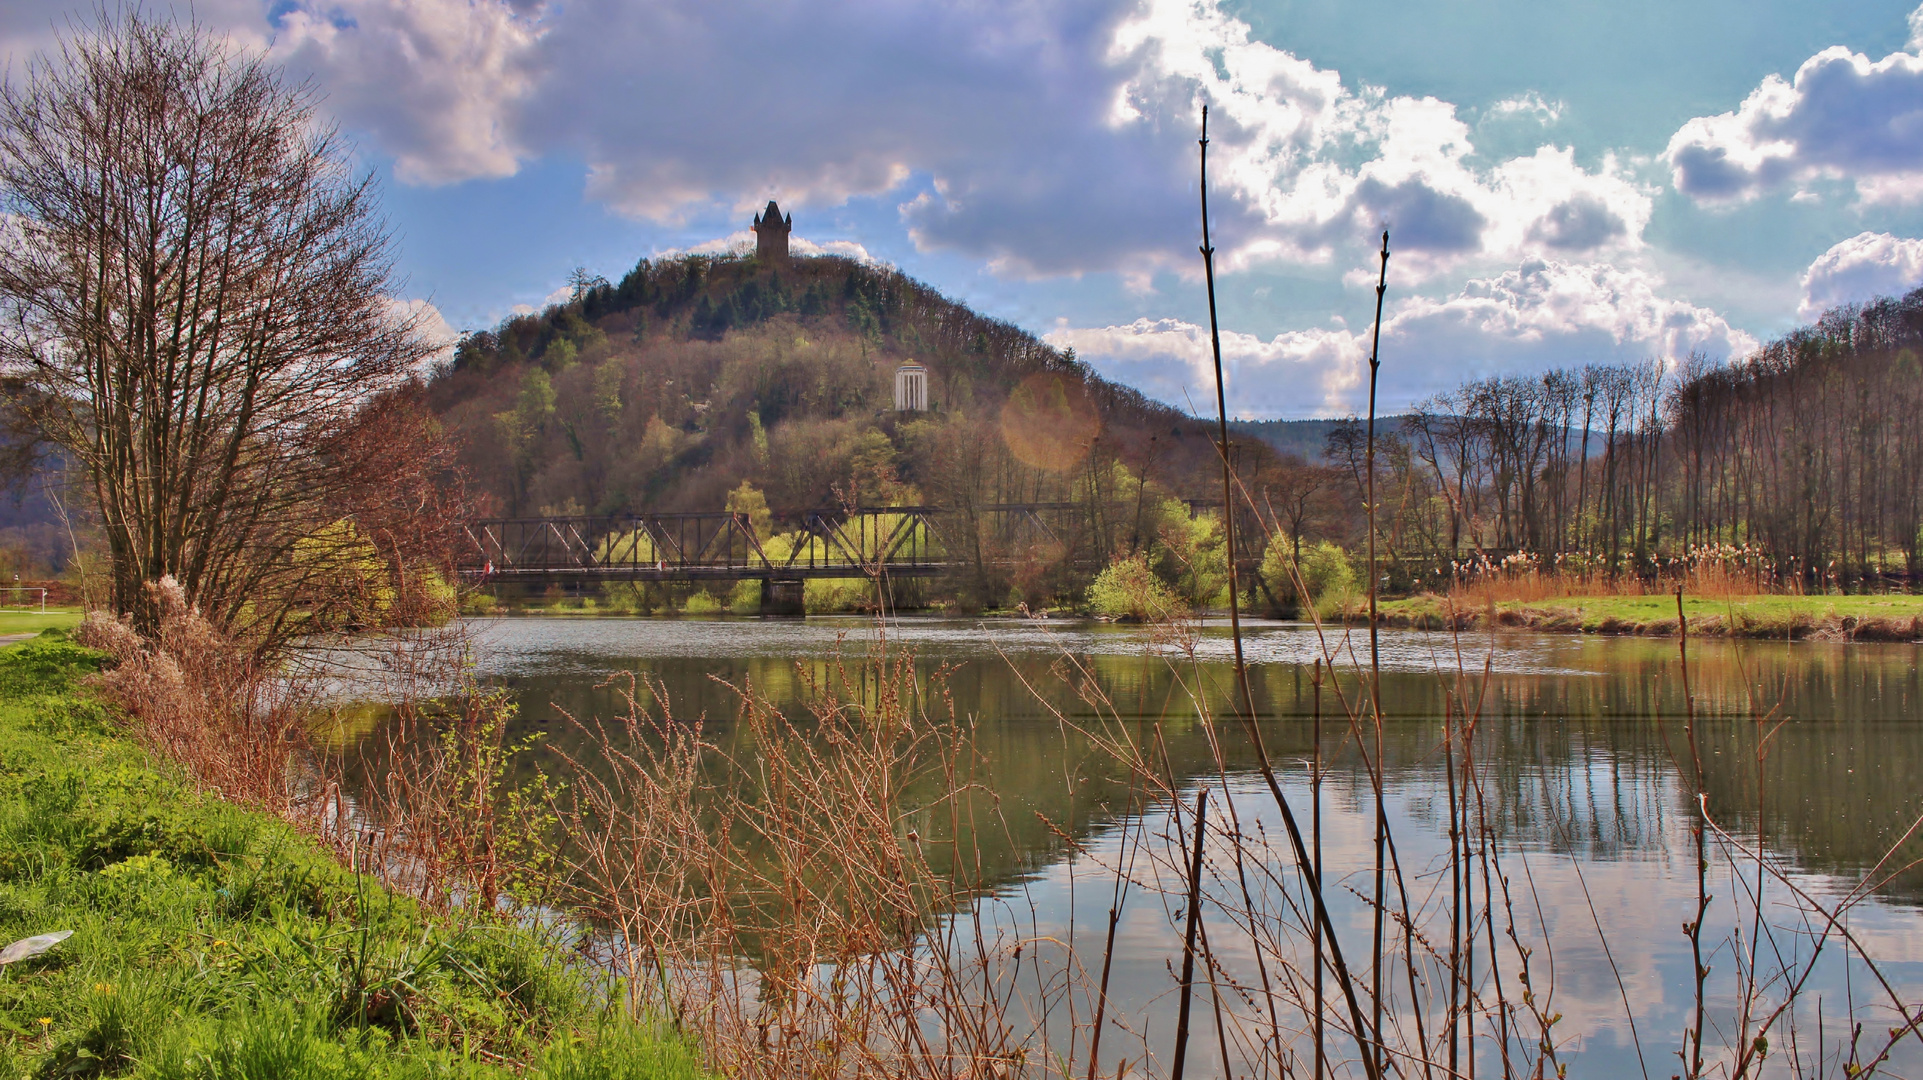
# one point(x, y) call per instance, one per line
point(1804, 460)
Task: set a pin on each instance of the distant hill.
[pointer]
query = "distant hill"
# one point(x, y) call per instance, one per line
point(692, 376)
point(1302, 438)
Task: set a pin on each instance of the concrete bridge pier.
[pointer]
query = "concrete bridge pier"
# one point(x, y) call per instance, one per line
point(783, 596)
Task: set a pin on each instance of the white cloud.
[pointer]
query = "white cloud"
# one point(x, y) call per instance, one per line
point(1315, 166)
point(1865, 266)
point(436, 82)
point(742, 242)
point(1531, 105)
point(1916, 30)
point(1538, 316)
point(1300, 373)
point(1843, 117)
point(430, 324)
point(1049, 139)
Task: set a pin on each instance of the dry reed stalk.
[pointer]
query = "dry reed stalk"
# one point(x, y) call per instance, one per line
point(808, 909)
point(1717, 571)
point(199, 699)
point(810, 904)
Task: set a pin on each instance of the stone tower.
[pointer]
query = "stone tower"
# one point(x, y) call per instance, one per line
point(771, 233)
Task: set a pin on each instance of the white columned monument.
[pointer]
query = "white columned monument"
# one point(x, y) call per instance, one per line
point(911, 388)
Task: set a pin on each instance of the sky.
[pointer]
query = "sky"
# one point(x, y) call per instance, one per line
point(1563, 184)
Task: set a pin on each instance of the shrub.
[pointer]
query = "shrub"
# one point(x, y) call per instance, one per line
point(1276, 570)
point(1192, 554)
point(830, 596)
point(746, 597)
point(1128, 589)
point(1328, 577)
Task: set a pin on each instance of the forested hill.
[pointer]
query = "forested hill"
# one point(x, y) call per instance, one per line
point(692, 376)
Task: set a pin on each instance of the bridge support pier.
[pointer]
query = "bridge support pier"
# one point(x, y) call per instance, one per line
point(783, 597)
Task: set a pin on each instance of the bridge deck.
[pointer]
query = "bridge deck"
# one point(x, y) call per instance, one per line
point(893, 541)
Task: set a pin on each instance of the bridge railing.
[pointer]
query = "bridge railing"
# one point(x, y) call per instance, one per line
point(848, 542)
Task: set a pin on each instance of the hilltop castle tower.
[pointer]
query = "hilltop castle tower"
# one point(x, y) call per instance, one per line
point(771, 233)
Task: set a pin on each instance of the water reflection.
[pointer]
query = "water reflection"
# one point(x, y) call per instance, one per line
point(1578, 745)
point(1580, 734)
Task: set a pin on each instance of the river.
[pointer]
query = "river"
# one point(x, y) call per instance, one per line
point(1581, 750)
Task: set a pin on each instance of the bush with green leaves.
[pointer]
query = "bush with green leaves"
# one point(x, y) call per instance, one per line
point(1329, 577)
point(1191, 555)
point(1128, 589)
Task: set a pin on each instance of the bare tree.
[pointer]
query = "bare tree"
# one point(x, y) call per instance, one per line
point(195, 289)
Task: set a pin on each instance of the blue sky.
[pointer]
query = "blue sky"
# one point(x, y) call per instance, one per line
point(1564, 183)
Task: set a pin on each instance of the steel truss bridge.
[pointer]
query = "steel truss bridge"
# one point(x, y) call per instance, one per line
point(892, 541)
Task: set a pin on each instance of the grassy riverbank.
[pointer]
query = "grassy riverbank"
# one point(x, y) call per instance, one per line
point(213, 941)
point(32, 620)
point(1854, 618)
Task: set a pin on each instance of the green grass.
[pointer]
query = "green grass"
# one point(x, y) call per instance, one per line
point(1866, 617)
point(17, 621)
point(210, 941)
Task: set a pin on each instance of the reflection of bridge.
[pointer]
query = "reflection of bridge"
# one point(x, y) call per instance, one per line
point(893, 541)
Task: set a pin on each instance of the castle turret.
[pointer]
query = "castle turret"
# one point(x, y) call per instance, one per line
point(771, 233)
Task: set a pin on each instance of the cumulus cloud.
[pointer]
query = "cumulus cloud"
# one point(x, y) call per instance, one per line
point(1531, 105)
point(1045, 139)
point(1299, 373)
point(1542, 314)
point(429, 324)
point(1863, 267)
point(436, 82)
point(1843, 116)
point(1315, 166)
point(742, 242)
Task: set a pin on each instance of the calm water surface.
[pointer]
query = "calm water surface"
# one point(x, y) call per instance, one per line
point(1579, 740)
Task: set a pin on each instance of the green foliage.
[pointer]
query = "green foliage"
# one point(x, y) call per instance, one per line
point(536, 401)
point(748, 499)
point(213, 942)
point(1128, 589)
point(759, 435)
point(560, 354)
point(620, 1052)
point(745, 599)
point(1277, 569)
point(607, 390)
point(1192, 555)
point(837, 596)
point(1329, 578)
point(701, 603)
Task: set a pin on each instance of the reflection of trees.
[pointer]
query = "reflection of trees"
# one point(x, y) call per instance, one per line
point(1571, 763)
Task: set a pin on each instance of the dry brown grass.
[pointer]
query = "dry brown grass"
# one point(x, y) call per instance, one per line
point(210, 706)
point(1714, 571)
point(805, 902)
point(802, 911)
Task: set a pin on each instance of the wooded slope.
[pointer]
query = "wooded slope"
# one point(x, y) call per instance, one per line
point(691, 376)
